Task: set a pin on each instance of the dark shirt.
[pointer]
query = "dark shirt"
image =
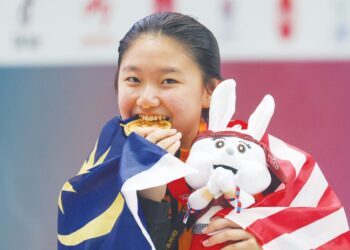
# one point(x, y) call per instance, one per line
point(158, 221)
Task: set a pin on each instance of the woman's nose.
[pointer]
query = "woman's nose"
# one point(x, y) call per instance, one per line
point(148, 98)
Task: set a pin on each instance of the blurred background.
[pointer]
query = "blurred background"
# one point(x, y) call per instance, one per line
point(57, 68)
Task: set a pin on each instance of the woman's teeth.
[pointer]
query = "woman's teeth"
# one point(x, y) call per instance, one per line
point(153, 117)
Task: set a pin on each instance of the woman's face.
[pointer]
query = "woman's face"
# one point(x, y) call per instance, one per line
point(157, 79)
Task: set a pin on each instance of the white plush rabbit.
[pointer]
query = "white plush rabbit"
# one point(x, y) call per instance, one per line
point(229, 161)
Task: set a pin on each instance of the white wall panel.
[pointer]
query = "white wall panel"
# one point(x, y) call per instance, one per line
point(47, 32)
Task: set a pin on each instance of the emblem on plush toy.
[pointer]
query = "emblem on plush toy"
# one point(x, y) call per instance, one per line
point(230, 161)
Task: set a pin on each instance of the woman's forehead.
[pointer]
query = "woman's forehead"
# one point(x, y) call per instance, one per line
point(161, 53)
point(159, 45)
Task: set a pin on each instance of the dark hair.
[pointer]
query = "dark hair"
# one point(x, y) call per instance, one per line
point(198, 40)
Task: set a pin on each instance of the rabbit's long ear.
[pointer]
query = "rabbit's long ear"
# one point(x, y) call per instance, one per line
point(222, 105)
point(260, 119)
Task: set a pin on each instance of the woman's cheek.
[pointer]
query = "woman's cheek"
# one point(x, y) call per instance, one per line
point(175, 106)
point(125, 106)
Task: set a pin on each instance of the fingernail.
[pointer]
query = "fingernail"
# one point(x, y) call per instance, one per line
point(179, 134)
point(204, 230)
point(205, 243)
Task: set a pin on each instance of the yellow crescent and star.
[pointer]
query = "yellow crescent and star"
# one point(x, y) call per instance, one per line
point(102, 224)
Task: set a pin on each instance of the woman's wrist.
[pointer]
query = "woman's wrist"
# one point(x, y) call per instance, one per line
point(154, 193)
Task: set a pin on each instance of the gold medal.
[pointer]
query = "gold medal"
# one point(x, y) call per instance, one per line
point(140, 123)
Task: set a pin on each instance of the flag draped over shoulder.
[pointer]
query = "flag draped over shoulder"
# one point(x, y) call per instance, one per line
point(305, 214)
point(98, 208)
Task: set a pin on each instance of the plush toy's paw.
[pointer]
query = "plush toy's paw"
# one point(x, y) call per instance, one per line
point(225, 180)
point(199, 199)
point(212, 184)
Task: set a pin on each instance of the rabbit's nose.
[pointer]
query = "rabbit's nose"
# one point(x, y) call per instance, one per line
point(229, 150)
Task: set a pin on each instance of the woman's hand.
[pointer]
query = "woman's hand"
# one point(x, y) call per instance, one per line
point(168, 139)
point(230, 231)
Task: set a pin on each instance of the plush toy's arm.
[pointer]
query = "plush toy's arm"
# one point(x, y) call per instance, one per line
point(225, 180)
point(200, 198)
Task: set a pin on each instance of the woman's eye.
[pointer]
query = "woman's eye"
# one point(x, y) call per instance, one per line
point(169, 81)
point(241, 148)
point(219, 143)
point(133, 79)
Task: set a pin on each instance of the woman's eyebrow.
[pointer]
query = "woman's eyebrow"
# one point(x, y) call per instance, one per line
point(170, 70)
point(130, 68)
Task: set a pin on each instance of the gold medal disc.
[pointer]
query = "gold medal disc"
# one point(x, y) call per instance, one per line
point(140, 123)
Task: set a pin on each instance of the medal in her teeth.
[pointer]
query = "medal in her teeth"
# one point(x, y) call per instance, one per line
point(141, 123)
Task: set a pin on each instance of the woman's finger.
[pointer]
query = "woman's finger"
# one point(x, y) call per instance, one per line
point(144, 131)
point(250, 244)
point(160, 134)
point(232, 234)
point(169, 141)
point(219, 224)
point(174, 148)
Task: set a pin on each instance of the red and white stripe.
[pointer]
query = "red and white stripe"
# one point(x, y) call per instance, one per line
point(306, 214)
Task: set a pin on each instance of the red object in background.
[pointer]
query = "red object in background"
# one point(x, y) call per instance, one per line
point(285, 26)
point(227, 8)
point(98, 6)
point(163, 5)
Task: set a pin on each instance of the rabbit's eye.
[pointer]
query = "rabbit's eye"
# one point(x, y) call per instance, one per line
point(241, 148)
point(220, 144)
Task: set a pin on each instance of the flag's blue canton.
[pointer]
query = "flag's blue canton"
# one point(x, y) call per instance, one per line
point(96, 190)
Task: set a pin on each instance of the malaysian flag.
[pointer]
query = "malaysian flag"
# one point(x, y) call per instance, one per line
point(303, 214)
point(98, 208)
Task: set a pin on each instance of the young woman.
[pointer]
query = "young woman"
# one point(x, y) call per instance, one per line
point(168, 66)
